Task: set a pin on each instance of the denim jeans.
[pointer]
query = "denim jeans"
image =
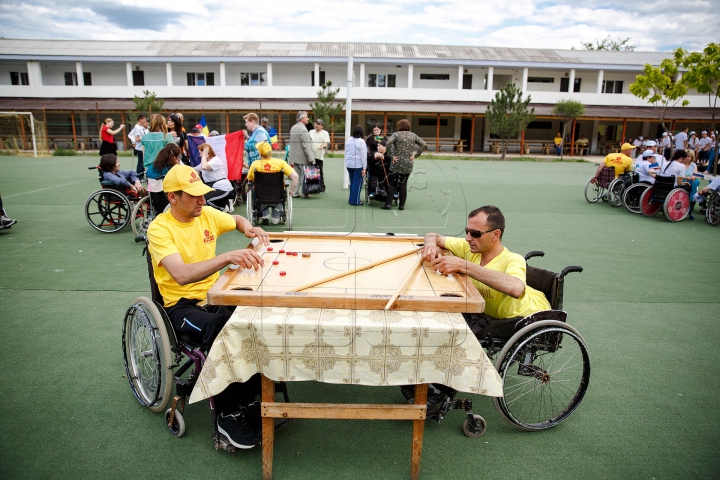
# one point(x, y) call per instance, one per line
point(356, 180)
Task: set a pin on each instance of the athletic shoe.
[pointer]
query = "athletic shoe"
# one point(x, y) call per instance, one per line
point(6, 222)
point(265, 221)
point(275, 221)
point(236, 429)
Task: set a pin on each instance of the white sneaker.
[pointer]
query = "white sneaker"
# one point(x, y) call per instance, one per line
point(275, 221)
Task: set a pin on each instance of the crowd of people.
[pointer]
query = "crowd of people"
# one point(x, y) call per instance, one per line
point(700, 149)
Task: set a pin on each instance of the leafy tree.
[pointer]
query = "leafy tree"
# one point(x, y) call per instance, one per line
point(619, 45)
point(568, 110)
point(326, 109)
point(508, 114)
point(658, 86)
point(149, 103)
point(703, 74)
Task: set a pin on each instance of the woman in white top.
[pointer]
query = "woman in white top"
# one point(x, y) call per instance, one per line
point(356, 163)
point(675, 168)
point(214, 175)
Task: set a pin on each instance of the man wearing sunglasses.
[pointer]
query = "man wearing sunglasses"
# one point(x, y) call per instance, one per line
point(497, 273)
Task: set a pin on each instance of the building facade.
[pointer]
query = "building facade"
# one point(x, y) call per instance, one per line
point(443, 90)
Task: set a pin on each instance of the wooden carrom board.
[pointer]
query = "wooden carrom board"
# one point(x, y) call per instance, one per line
point(331, 254)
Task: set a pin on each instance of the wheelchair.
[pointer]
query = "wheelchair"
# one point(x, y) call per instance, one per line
point(110, 209)
point(617, 188)
point(632, 194)
point(712, 208)
point(663, 194)
point(544, 365)
point(598, 190)
point(376, 188)
point(269, 189)
point(153, 356)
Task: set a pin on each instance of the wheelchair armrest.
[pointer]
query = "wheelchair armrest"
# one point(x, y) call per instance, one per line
point(570, 269)
point(534, 253)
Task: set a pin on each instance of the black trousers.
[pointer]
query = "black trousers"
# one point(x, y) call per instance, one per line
point(398, 183)
point(204, 324)
point(485, 326)
point(159, 201)
point(319, 164)
point(140, 166)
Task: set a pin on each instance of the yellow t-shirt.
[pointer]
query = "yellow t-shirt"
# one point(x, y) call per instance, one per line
point(619, 161)
point(194, 241)
point(500, 305)
point(269, 165)
point(558, 141)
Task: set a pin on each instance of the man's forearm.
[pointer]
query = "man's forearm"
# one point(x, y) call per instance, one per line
point(502, 282)
point(194, 272)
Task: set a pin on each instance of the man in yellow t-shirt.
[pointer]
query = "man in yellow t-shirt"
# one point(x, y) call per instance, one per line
point(621, 162)
point(497, 273)
point(268, 164)
point(182, 245)
point(558, 143)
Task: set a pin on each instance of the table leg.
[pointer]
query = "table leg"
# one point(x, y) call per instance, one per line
point(268, 428)
point(418, 430)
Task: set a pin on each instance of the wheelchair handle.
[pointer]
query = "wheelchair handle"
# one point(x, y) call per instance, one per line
point(534, 253)
point(93, 168)
point(570, 269)
point(140, 238)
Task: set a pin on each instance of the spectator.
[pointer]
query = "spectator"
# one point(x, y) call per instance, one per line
point(681, 140)
point(404, 147)
point(176, 130)
point(558, 143)
point(320, 140)
point(155, 141)
point(107, 135)
point(272, 133)
point(693, 143)
point(214, 176)
point(110, 167)
point(5, 221)
point(581, 145)
point(356, 163)
point(135, 137)
point(256, 135)
point(214, 133)
point(301, 150)
point(665, 144)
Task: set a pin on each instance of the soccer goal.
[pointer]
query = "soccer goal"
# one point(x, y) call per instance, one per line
point(21, 134)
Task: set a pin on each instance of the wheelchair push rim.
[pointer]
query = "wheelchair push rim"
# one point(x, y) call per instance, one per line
point(593, 191)
point(545, 368)
point(677, 205)
point(147, 354)
point(648, 207)
point(615, 191)
point(712, 209)
point(108, 211)
point(142, 215)
point(631, 197)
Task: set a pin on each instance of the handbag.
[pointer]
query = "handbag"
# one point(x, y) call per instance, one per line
point(312, 173)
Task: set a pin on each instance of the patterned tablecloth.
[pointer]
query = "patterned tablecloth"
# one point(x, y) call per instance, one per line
point(360, 347)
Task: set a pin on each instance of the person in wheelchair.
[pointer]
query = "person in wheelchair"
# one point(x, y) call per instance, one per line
point(621, 162)
point(182, 245)
point(215, 176)
point(498, 274)
point(379, 170)
point(110, 167)
point(268, 164)
point(645, 165)
point(676, 168)
point(701, 195)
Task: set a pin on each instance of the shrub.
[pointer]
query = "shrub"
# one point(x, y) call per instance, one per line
point(64, 152)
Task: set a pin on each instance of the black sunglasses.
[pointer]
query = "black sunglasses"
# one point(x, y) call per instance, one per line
point(478, 233)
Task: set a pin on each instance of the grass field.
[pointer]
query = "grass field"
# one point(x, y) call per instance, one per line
point(647, 305)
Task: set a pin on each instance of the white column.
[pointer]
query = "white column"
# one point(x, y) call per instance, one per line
point(458, 123)
point(222, 75)
point(460, 76)
point(168, 72)
point(317, 74)
point(645, 129)
point(79, 73)
point(269, 74)
point(128, 69)
point(362, 74)
point(524, 79)
point(410, 75)
point(348, 112)
point(34, 73)
point(571, 88)
point(490, 79)
point(600, 81)
point(593, 137)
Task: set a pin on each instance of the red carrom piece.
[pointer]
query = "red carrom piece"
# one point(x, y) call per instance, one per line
point(288, 253)
point(276, 262)
point(294, 254)
point(269, 249)
point(282, 274)
point(282, 251)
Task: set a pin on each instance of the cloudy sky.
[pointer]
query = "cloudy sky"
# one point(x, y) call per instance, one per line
point(652, 25)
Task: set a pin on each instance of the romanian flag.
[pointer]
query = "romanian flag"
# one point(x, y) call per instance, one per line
point(203, 123)
point(273, 134)
point(228, 148)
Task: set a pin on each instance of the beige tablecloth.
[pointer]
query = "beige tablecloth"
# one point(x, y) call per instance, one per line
point(359, 347)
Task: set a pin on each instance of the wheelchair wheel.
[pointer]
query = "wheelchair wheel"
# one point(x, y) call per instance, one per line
point(108, 211)
point(545, 369)
point(249, 208)
point(647, 206)
point(474, 432)
point(593, 191)
point(631, 197)
point(615, 191)
point(177, 428)
point(288, 211)
point(712, 208)
point(677, 205)
point(148, 354)
point(142, 215)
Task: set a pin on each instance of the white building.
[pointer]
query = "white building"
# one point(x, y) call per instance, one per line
point(443, 90)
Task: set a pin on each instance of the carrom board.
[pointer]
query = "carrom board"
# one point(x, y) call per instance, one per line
point(331, 254)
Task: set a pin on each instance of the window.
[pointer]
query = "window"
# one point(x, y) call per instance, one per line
point(138, 77)
point(541, 80)
point(432, 122)
point(201, 79)
point(312, 78)
point(434, 76)
point(70, 78)
point(565, 84)
point(87, 78)
point(537, 125)
point(381, 80)
point(612, 86)
point(253, 79)
point(19, 78)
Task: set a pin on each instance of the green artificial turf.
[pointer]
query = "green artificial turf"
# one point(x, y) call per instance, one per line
point(646, 304)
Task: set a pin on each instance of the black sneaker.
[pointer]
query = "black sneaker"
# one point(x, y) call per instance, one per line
point(237, 431)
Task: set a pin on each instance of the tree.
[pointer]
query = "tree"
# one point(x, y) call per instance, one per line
point(568, 110)
point(508, 114)
point(619, 45)
point(703, 74)
point(326, 109)
point(659, 87)
point(148, 105)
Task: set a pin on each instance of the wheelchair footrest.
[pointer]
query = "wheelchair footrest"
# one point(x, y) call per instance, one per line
point(221, 443)
point(184, 387)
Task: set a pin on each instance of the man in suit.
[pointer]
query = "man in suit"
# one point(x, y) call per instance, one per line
point(301, 151)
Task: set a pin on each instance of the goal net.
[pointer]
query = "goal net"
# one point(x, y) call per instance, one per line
point(22, 134)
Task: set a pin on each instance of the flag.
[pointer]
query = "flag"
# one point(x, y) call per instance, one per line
point(228, 148)
point(203, 123)
point(273, 134)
